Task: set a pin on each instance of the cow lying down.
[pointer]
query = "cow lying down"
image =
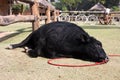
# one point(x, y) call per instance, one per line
point(62, 39)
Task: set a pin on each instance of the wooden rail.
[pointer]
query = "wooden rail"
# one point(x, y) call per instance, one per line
point(100, 12)
point(10, 19)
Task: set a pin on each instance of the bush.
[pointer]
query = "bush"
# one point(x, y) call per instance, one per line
point(19, 8)
point(16, 7)
point(115, 8)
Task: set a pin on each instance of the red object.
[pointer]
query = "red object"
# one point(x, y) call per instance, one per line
point(80, 65)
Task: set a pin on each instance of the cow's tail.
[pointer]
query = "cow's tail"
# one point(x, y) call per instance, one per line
point(21, 44)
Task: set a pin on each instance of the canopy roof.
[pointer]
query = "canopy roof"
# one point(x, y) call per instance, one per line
point(42, 2)
point(98, 7)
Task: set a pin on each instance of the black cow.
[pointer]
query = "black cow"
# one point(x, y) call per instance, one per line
point(63, 39)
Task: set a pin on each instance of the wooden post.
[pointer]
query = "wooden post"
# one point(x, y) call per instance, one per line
point(35, 12)
point(10, 7)
point(55, 16)
point(22, 7)
point(48, 15)
point(57, 12)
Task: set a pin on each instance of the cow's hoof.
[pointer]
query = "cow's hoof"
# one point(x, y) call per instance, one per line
point(9, 47)
point(26, 49)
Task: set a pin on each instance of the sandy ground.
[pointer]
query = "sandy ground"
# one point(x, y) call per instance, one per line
point(16, 65)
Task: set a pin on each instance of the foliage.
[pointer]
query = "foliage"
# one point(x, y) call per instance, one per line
point(70, 4)
point(16, 7)
point(57, 5)
point(115, 8)
point(100, 1)
point(19, 7)
point(64, 8)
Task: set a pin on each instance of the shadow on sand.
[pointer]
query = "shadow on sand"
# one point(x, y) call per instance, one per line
point(19, 31)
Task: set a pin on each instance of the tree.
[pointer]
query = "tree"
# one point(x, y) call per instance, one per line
point(100, 1)
point(110, 3)
point(85, 4)
point(71, 4)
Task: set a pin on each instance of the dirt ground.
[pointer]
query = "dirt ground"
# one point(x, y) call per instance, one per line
point(16, 65)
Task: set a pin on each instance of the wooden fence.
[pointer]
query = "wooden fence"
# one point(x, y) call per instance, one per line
point(93, 17)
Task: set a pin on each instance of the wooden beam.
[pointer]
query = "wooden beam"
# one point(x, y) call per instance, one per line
point(6, 20)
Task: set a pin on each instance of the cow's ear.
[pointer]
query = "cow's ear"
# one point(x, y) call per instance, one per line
point(96, 41)
point(85, 38)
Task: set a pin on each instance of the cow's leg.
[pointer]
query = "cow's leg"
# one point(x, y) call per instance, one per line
point(13, 46)
point(21, 44)
point(51, 54)
point(34, 52)
point(17, 45)
point(54, 54)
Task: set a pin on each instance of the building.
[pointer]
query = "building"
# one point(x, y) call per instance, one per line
point(98, 7)
point(5, 6)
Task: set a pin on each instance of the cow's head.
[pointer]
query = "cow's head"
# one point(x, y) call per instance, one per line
point(94, 51)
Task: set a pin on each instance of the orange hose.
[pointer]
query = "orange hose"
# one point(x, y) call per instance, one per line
point(80, 65)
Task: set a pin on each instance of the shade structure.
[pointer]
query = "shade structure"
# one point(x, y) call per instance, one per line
point(97, 7)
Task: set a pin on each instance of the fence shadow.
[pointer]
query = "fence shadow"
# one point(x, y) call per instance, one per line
point(19, 31)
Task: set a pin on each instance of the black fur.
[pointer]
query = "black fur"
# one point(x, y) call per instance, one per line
point(63, 39)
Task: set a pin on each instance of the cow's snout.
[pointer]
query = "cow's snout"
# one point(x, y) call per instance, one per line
point(106, 59)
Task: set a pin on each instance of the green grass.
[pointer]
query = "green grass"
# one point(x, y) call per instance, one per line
point(22, 29)
point(109, 35)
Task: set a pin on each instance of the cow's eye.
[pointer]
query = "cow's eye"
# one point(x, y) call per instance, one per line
point(98, 46)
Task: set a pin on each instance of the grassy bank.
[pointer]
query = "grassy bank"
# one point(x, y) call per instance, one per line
point(109, 35)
